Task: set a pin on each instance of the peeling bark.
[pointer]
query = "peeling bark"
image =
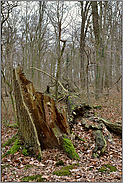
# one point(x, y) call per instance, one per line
point(39, 121)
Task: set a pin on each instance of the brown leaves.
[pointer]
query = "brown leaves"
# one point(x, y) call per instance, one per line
point(18, 166)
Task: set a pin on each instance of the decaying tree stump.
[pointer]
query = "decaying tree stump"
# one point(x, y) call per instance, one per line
point(41, 125)
point(39, 121)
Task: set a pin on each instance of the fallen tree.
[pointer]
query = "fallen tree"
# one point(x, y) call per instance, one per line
point(41, 125)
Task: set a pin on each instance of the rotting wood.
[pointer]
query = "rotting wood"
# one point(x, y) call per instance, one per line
point(23, 90)
point(114, 127)
point(40, 123)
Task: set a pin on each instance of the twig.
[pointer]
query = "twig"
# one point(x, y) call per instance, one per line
point(49, 76)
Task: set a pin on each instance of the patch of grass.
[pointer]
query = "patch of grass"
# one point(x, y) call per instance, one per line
point(90, 168)
point(76, 136)
point(69, 166)
point(32, 178)
point(3, 155)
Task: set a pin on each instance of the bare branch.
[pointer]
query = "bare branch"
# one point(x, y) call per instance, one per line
point(49, 76)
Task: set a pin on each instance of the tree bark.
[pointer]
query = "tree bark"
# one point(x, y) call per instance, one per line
point(39, 121)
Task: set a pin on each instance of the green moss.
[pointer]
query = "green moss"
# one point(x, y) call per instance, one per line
point(65, 170)
point(97, 107)
point(69, 149)
point(24, 151)
point(90, 168)
point(100, 144)
point(69, 166)
point(59, 163)
point(62, 173)
point(14, 148)
point(55, 130)
point(102, 169)
point(32, 178)
point(4, 155)
point(112, 168)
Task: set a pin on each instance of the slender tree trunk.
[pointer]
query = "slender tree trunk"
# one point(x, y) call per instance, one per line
point(82, 44)
point(96, 33)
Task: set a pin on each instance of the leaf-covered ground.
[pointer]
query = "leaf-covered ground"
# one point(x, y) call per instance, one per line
point(15, 167)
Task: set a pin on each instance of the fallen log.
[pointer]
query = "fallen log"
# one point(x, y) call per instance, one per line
point(76, 108)
point(114, 127)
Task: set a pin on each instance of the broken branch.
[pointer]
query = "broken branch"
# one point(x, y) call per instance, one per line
point(49, 76)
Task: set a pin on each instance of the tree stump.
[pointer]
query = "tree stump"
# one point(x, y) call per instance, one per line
point(39, 121)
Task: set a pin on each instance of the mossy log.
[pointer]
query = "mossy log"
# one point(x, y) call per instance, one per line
point(40, 123)
point(114, 127)
point(76, 108)
point(100, 144)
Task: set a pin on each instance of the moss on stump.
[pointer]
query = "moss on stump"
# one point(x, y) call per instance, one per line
point(69, 148)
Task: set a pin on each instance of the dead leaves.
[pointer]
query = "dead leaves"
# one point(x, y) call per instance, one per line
point(15, 167)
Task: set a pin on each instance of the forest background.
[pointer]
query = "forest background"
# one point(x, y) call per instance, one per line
point(32, 34)
point(77, 43)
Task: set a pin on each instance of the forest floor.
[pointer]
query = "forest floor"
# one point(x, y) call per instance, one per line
point(15, 167)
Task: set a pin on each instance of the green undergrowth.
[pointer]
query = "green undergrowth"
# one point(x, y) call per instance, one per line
point(28, 166)
point(97, 107)
point(14, 125)
point(108, 168)
point(37, 178)
point(60, 162)
point(24, 151)
point(10, 141)
point(65, 170)
point(69, 149)
point(14, 148)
